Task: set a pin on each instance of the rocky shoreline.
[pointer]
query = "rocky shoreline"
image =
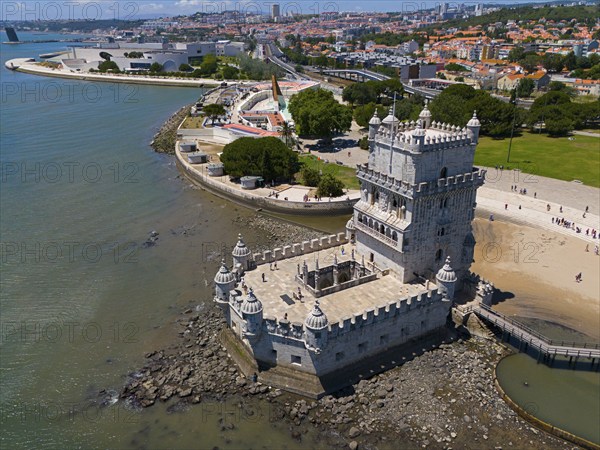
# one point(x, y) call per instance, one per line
point(444, 398)
point(164, 140)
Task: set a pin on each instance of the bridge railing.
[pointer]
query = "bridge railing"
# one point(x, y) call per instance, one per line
point(537, 334)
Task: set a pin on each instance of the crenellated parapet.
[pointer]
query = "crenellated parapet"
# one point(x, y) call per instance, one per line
point(295, 331)
point(470, 179)
point(301, 248)
point(475, 178)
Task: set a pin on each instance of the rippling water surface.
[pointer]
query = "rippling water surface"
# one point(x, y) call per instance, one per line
point(82, 300)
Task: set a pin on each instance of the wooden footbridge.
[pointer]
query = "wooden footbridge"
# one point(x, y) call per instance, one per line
point(547, 349)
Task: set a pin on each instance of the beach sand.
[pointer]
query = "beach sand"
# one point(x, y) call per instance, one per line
point(535, 269)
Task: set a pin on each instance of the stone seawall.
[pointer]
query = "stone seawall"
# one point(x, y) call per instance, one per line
point(266, 203)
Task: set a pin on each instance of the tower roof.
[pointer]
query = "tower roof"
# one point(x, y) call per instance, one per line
point(251, 304)
point(316, 320)
point(446, 274)
point(224, 275)
point(474, 122)
point(390, 118)
point(425, 114)
point(240, 249)
point(375, 120)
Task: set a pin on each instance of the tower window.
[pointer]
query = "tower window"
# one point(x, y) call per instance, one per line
point(339, 356)
point(438, 255)
point(444, 173)
point(296, 360)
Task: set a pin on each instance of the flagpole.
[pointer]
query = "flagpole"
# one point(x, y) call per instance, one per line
point(393, 134)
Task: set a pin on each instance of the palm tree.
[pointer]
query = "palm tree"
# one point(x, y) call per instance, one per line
point(287, 132)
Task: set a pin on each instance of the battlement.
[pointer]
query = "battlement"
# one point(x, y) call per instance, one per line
point(295, 330)
point(438, 136)
point(476, 177)
point(298, 249)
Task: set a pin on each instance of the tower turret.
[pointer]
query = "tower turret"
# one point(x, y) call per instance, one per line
point(241, 256)
point(446, 279)
point(252, 313)
point(315, 327)
point(474, 126)
point(224, 283)
point(374, 125)
point(425, 117)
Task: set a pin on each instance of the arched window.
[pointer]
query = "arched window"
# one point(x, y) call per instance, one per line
point(442, 232)
point(382, 229)
point(395, 236)
point(395, 203)
point(438, 255)
point(360, 218)
point(444, 173)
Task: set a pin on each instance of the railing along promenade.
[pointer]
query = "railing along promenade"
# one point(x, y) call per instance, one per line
point(547, 348)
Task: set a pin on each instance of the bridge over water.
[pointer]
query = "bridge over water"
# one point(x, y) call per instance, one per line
point(547, 349)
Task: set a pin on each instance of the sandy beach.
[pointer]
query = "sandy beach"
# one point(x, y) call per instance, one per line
point(535, 269)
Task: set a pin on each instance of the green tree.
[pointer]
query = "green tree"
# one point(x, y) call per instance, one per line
point(209, 65)
point(213, 111)
point(456, 103)
point(516, 54)
point(363, 143)
point(570, 61)
point(230, 72)
point(453, 67)
point(105, 66)
point(553, 62)
point(287, 133)
point(310, 176)
point(530, 62)
point(330, 186)
point(525, 87)
point(320, 61)
point(185, 68)
point(317, 113)
point(266, 157)
point(359, 94)
point(156, 67)
point(363, 114)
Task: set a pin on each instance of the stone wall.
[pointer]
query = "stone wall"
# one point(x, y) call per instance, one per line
point(298, 249)
point(268, 203)
point(354, 338)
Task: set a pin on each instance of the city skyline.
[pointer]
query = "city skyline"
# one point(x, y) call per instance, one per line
point(131, 10)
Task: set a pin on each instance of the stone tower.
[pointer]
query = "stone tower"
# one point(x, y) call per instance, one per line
point(418, 196)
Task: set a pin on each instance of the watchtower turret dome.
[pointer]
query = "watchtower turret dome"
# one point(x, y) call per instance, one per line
point(224, 275)
point(240, 250)
point(251, 304)
point(446, 274)
point(316, 320)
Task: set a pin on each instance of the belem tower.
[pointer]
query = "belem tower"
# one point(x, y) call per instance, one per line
point(304, 315)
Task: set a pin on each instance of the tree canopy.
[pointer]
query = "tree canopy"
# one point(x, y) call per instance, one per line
point(330, 186)
point(560, 115)
point(317, 113)
point(213, 111)
point(371, 91)
point(456, 104)
point(266, 157)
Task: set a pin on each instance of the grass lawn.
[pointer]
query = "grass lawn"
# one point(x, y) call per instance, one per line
point(541, 155)
point(346, 174)
point(193, 122)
